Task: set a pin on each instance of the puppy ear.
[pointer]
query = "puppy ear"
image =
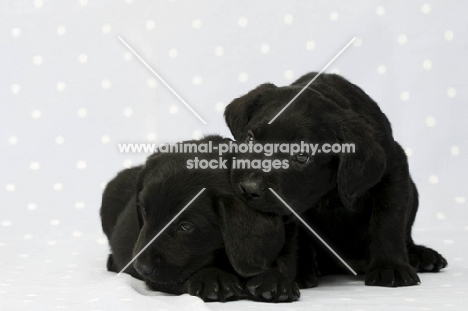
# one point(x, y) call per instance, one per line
point(149, 165)
point(239, 112)
point(361, 170)
point(252, 239)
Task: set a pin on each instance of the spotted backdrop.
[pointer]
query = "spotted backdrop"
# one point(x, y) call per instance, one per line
point(71, 91)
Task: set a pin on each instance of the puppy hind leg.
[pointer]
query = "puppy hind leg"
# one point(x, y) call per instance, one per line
point(421, 258)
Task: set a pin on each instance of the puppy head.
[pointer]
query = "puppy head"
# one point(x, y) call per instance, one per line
point(318, 115)
point(213, 226)
point(190, 242)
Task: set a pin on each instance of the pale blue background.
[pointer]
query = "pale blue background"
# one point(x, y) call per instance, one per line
point(70, 91)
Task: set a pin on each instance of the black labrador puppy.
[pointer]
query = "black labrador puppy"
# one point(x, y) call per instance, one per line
point(363, 204)
point(214, 248)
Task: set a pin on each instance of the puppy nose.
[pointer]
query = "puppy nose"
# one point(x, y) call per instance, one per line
point(252, 188)
point(144, 269)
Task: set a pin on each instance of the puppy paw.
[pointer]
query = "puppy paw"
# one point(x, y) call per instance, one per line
point(425, 259)
point(272, 286)
point(391, 275)
point(211, 284)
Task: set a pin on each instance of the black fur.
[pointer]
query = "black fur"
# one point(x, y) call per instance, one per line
point(214, 248)
point(363, 204)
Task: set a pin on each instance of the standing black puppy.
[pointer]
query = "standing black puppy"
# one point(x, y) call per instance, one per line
point(211, 249)
point(363, 204)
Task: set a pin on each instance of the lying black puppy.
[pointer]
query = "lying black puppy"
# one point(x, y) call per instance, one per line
point(211, 249)
point(363, 204)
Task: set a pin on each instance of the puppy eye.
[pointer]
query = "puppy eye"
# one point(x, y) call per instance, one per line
point(250, 137)
point(301, 158)
point(186, 226)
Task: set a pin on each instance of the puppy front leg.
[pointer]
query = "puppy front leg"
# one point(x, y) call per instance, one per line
point(278, 283)
point(388, 263)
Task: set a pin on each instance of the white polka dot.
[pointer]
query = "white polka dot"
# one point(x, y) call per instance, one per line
point(101, 241)
point(242, 22)
point(102, 185)
point(196, 23)
point(15, 32)
point(427, 64)
point(55, 222)
point(59, 140)
point(129, 1)
point(335, 70)
point(173, 109)
point(197, 134)
point(402, 39)
point(13, 140)
point(220, 107)
point(173, 53)
point(150, 24)
point(451, 92)
point(27, 236)
point(76, 234)
point(460, 200)
point(51, 242)
point(36, 114)
point(38, 3)
point(79, 205)
point(106, 28)
point(310, 45)
point(127, 163)
point(454, 150)
point(334, 16)
point(242, 77)
point(151, 136)
point(81, 165)
point(60, 86)
point(37, 60)
point(357, 42)
point(381, 69)
point(61, 30)
point(288, 74)
point(430, 122)
point(34, 166)
point(6, 223)
point(380, 11)
point(197, 80)
point(433, 179)
point(405, 95)
point(265, 48)
point(83, 2)
point(32, 206)
point(466, 228)
point(448, 241)
point(82, 112)
point(219, 51)
point(15, 88)
point(408, 152)
point(440, 216)
point(426, 8)
point(128, 112)
point(288, 19)
point(82, 58)
point(106, 84)
point(152, 83)
point(128, 56)
point(448, 35)
point(57, 186)
point(105, 139)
